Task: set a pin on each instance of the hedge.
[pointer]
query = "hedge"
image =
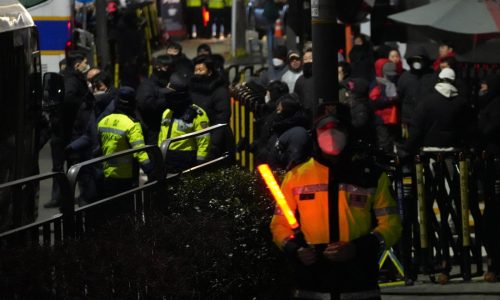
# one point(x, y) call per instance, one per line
point(211, 240)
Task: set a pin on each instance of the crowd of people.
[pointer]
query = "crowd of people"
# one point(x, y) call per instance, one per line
point(95, 118)
point(384, 109)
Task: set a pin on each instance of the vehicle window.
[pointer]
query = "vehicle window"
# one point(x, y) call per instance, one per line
point(31, 3)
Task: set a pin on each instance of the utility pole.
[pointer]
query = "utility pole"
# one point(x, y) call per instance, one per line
point(102, 34)
point(238, 29)
point(324, 21)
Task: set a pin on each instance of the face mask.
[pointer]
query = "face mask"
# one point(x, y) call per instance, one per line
point(84, 69)
point(417, 66)
point(331, 141)
point(97, 93)
point(278, 62)
point(267, 98)
point(307, 68)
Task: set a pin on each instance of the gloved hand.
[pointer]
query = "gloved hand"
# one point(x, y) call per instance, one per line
point(340, 251)
point(307, 256)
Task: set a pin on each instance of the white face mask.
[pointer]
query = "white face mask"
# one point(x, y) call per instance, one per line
point(85, 69)
point(278, 62)
point(97, 93)
point(267, 98)
point(417, 66)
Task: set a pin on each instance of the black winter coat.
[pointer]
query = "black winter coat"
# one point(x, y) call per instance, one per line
point(304, 88)
point(412, 88)
point(151, 103)
point(212, 94)
point(489, 116)
point(439, 122)
point(76, 92)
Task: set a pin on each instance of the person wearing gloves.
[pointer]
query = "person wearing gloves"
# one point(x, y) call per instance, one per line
point(347, 216)
point(182, 117)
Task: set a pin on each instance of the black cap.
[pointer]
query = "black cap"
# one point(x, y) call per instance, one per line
point(178, 84)
point(126, 95)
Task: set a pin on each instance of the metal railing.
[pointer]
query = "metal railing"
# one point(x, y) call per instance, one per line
point(75, 222)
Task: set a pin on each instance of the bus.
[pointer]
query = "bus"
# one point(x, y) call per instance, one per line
point(53, 18)
point(21, 101)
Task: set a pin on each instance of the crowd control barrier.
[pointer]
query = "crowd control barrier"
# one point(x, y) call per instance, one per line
point(442, 198)
point(74, 221)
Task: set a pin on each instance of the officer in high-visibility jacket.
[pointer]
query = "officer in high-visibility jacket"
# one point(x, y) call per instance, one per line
point(117, 132)
point(216, 8)
point(194, 18)
point(180, 118)
point(347, 215)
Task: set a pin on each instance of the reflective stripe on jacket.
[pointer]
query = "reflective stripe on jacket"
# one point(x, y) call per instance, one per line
point(117, 132)
point(193, 3)
point(216, 4)
point(181, 127)
point(306, 190)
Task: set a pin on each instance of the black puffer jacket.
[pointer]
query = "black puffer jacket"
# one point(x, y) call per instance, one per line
point(76, 92)
point(150, 105)
point(212, 94)
point(289, 143)
point(439, 122)
point(489, 116)
point(412, 88)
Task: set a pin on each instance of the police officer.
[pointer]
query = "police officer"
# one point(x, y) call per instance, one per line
point(194, 19)
point(117, 132)
point(216, 8)
point(183, 117)
point(347, 215)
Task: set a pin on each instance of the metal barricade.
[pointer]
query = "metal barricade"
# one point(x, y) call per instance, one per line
point(443, 189)
point(75, 222)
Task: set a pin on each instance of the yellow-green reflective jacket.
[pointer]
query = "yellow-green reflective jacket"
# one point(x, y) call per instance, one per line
point(228, 3)
point(216, 4)
point(306, 190)
point(117, 132)
point(193, 3)
point(182, 126)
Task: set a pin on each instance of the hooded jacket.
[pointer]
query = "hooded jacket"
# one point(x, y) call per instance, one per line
point(439, 121)
point(383, 96)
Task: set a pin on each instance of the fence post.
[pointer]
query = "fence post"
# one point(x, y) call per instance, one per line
point(464, 197)
point(67, 204)
point(422, 212)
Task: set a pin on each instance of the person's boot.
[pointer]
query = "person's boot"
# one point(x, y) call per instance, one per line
point(490, 276)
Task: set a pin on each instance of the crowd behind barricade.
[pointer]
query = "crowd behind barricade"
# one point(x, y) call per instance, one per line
point(386, 112)
point(435, 109)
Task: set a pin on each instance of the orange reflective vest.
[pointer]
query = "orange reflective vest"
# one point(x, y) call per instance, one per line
point(306, 190)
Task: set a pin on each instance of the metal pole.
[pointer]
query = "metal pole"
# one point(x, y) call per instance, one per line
point(324, 22)
point(102, 34)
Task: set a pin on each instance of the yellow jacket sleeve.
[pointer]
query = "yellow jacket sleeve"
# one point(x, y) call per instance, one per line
point(386, 212)
point(202, 141)
point(136, 140)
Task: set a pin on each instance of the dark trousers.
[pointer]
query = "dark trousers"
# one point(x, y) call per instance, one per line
point(177, 161)
point(57, 146)
point(112, 209)
point(491, 218)
point(217, 17)
point(194, 17)
point(227, 20)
